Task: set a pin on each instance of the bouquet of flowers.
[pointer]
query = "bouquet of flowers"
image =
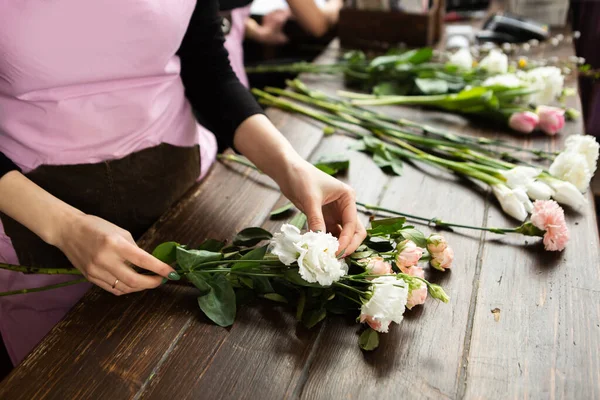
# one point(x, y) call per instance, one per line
point(376, 283)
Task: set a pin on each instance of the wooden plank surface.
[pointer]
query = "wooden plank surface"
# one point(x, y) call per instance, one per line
point(158, 345)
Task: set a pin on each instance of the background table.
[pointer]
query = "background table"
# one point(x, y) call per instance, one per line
point(542, 341)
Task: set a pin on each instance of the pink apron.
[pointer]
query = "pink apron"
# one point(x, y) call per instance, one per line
point(74, 91)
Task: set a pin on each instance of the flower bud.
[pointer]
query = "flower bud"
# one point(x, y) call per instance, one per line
point(552, 119)
point(377, 266)
point(437, 292)
point(409, 254)
point(417, 296)
point(442, 261)
point(524, 121)
point(436, 243)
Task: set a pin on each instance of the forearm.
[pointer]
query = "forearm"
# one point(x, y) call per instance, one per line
point(260, 141)
point(253, 30)
point(313, 19)
point(33, 207)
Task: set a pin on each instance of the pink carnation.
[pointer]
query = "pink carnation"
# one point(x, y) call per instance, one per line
point(414, 271)
point(409, 254)
point(377, 266)
point(443, 260)
point(548, 216)
point(523, 121)
point(417, 296)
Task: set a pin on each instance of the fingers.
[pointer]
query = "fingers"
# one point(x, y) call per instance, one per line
point(138, 257)
point(314, 217)
point(349, 224)
point(133, 281)
point(357, 239)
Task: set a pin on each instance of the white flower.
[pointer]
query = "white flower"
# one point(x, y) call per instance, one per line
point(547, 81)
point(318, 261)
point(282, 244)
point(538, 190)
point(504, 80)
point(585, 145)
point(387, 303)
point(496, 62)
point(572, 167)
point(462, 59)
point(511, 201)
point(566, 193)
point(525, 178)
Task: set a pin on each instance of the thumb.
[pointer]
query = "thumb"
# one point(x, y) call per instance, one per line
point(314, 217)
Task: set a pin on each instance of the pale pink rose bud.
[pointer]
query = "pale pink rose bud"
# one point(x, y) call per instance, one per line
point(417, 296)
point(409, 254)
point(524, 121)
point(419, 272)
point(552, 119)
point(373, 323)
point(377, 266)
point(443, 260)
point(436, 243)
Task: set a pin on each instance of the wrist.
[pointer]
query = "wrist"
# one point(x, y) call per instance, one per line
point(61, 223)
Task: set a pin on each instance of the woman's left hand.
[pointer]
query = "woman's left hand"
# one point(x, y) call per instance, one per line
point(328, 203)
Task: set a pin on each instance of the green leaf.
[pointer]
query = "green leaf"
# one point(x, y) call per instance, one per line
point(392, 88)
point(387, 161)
point(282, 210)
point(293, 276)
point(247, 281)
point(198, 279)
point(275, 297)
point(190, 259)
point(262, 284)
point(300, 306)
point(415, 235)
point(432, 86)
point(219, 303)
point(165, 252)
point(386, 226)
point(251, 237)
point(333, 165)
point(379, 244)
point(369, 340)
point(313, 317)
point(212, 245)
point(255, 254)
point(299, 221)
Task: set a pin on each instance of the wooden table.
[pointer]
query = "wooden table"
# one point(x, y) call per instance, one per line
point(544, 341)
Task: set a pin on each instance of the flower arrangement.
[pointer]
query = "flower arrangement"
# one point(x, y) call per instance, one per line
point(376, 283)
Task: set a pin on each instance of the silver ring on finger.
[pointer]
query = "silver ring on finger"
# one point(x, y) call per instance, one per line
point(115, 284)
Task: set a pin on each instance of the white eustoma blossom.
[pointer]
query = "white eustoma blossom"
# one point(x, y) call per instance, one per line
point(548, 83)
point(496, 62)
point(572, 167)
point(525, 178)
point(514, 202)
point(566, 193)
point(315, 253)
point(283, 244)
point(462, 59)
point(504, 80)
point(585, 145)
point(387, 303)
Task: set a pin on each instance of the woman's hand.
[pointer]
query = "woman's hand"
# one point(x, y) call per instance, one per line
point(329, 204)
point(104, 253)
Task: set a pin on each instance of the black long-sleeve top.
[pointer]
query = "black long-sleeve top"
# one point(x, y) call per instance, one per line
point(219, 100)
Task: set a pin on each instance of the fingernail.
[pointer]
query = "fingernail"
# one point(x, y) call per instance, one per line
point(174, 276)
point(164, 280)
point(342, 253)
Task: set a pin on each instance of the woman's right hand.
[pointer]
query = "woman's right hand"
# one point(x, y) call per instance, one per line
point(104, 253)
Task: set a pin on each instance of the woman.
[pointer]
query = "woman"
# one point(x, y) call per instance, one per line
point(98, 139)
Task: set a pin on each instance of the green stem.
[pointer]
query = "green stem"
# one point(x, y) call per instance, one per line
point(43, 288)
point(229, 270)
point(228, 262)
point(45, 271)
point(435, 220)
point(349, 298)
point(340, 284)
point(238, 159)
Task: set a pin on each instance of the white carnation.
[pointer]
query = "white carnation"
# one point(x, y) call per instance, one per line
point(504, 80)
point(572, 167)
point(387, 302)
point(525, 178)
point(315, 253)
point(496, 62)
point(462, 59)
point(566, 193)
point(547, 81)
point(511, 201)
point(585, 145)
